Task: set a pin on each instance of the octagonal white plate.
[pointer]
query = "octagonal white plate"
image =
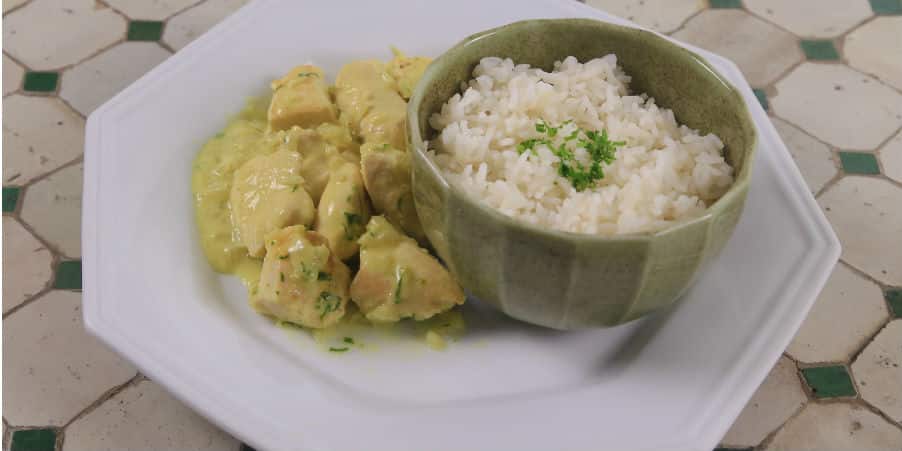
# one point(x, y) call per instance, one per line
point(673, 381)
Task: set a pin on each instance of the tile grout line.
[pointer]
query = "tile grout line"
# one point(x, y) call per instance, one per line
point(842, 39)
point(55, 252)
point(770, 22)
point(164, 46)
point(7, 434)
point(808, 400)
point(682, 25)
point(12, 10)
point(870, 340)
point(191, 6)
point(104, 397)
point(55, 259)
point(867, 406)
point(770, 436)
point(865, 275)
point(80, 158)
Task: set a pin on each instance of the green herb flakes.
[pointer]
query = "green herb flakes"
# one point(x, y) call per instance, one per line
point(581, 175)
point(327, 303)
point(342, 349)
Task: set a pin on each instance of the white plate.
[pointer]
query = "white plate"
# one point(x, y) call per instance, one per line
point(673, 381)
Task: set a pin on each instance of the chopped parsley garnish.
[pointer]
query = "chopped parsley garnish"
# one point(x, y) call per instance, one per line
point(354, 226)
point(323, 276)
point(581, 175)
point(308, 74)
point(281, 276)
point(348, 340)
point(353, 218)
point(283, 257)
point(397, 295)
point(342, 349)
point(327, 303)
point(294, 188)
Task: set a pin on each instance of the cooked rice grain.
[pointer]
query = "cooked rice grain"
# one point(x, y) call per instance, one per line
point(663, 174)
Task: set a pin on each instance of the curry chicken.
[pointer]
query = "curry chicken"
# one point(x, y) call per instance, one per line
point(307, 185)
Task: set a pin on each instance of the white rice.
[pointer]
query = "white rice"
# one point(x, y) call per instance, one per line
point(664, 173)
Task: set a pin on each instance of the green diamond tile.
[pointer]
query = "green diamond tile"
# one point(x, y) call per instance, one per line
point(886, 7)
point(41, 81)
point(894, 298)
point(10, 198)
point(33, 440)
point(859, 163)
point(68, 275)
point(819, 50)
point(722, 4)
point(829, 381)
point(762, 98)
point(145, 30)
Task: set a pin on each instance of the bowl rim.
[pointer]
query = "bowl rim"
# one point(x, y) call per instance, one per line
point(737, 190)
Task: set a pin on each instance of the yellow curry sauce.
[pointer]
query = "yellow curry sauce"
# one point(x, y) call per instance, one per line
point(302, 184)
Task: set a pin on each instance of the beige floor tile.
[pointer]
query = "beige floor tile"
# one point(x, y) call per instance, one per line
point(778, 397)
point(52, 207)
point(814, 159)
point(865, 214)
point(40, 134)
point(876, 48)
point(659, 15)
point(150, 9)
point(145, 417)
point(12, 75)
point(836, 426)
point(52, 369)
point(849, 310)
point(812, 18)
point(27, 264)
point(93, 82)
point(48, 34)
point(187, 26)
point(878, 371)
point(891, 157)
point(761, 50)
point(839, 105)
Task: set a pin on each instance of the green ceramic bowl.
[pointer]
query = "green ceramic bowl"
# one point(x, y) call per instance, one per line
point(566, 280)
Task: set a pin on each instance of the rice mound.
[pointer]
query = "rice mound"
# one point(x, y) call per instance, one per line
point(664, 173)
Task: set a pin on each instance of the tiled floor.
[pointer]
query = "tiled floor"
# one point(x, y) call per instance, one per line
point(828, 71)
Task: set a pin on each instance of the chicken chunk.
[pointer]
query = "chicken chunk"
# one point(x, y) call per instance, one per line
point(398, 279)
point(386, 174)
point(301, 281)
point(268, 194)
point(339, 136)
point(317, 155)
point(300, 98)
point(343, 210)
point(370, 105)
point(407, 70)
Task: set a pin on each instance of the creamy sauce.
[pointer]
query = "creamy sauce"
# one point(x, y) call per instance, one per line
point(301, 191)
point(211, 184)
